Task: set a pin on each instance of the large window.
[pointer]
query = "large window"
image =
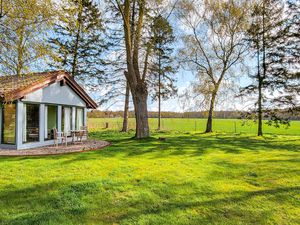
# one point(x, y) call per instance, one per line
point(31, 123)
point(79, 118)
point(50, 121)
point(66, 120)
point(8, 133)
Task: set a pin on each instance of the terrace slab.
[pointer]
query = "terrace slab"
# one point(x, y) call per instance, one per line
point(91, 145)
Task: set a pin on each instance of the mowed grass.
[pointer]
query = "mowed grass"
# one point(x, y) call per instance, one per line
point(191, 178)
point(198, 125)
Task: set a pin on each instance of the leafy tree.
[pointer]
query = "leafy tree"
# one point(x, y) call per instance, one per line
point(133, 15)
point(271, 37)
point(162, 68)
point(24, 26)
point(213, 44)
point(283, 59)
point(78, 42)
point(135, 18)
point(118, 66)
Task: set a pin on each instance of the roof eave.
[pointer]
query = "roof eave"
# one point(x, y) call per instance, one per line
point(61, 75)
point(91, 104)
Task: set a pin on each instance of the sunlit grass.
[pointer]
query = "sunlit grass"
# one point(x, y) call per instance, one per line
point(190, 178)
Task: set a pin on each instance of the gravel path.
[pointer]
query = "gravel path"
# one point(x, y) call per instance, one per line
point(61, 149)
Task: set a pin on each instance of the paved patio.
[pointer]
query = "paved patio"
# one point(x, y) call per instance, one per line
point(61, 149)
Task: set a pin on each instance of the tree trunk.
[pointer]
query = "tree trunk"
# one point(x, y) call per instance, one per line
point(126, 107)
point(76, 44)
point(210, 113)
point(159, 98)
point(137, 82)
point(259, 131)
point(159, 112)
point(139, 97)
point(259, 100)
point(261, 78)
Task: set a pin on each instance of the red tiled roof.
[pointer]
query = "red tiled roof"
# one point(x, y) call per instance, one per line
point(16, 87)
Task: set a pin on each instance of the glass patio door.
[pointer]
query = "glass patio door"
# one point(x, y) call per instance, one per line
point(79, 118)
point(8, 133)
point(31, 123)
point(50, 121)
point(66, 120)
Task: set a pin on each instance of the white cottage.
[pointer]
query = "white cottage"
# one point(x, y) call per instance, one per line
point(34, 105)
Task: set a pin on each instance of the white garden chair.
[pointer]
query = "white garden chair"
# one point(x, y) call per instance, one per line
point(59, 137)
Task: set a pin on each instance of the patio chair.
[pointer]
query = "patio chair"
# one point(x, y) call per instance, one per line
point(59, 137)
point(84, 132)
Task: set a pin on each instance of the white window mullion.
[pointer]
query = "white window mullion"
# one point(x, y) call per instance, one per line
point(25, 123)
point(46, 122)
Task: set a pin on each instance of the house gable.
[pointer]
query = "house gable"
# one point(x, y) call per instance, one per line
point(18, 87)
point(55, 94)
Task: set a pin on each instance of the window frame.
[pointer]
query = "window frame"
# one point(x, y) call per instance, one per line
point(23, 122)
point(46, 120)
point(2, 107)
point(76, 114)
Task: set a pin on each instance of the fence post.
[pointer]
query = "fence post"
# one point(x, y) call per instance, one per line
point(234, 126)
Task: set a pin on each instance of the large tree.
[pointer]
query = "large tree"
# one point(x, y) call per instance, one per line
point(133, 14)
point(283, 58)
point(24, 27)
point(213, 43)
point(162, 66)
point(117, 62)
point(78, 41)
point(273, 40)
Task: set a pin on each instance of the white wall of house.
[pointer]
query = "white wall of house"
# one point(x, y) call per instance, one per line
point(55, 94)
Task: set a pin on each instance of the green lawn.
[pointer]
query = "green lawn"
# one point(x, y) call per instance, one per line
point(191, 178)
point(219, 125)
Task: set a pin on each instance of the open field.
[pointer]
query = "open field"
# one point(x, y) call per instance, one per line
point(189, 125)
point(188, 179)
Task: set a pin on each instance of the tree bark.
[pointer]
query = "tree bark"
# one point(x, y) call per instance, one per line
point(210, 113)
point(76, 44)
point(137, 83)
point(159, 111)
point(126, 107)
point(259, 100)
point(159, 95)
point(139, 97)
point(259, 131)
point(261, 78)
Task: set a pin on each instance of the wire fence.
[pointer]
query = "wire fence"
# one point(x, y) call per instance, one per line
point(194, 125)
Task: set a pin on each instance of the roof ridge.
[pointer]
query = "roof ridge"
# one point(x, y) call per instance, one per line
point(34, 73)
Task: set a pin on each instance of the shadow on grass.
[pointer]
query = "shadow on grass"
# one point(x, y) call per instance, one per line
point(49, 203)
point(100, 202)
point(220, 208)
point(176, 144)
point(196, 145)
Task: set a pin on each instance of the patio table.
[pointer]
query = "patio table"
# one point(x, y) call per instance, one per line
point(78, 134)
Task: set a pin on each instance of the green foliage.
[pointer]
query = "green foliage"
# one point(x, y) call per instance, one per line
point(162, 68)
point(78, 41)
point(187, 179)
point(23, 32)
point(273, 36)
